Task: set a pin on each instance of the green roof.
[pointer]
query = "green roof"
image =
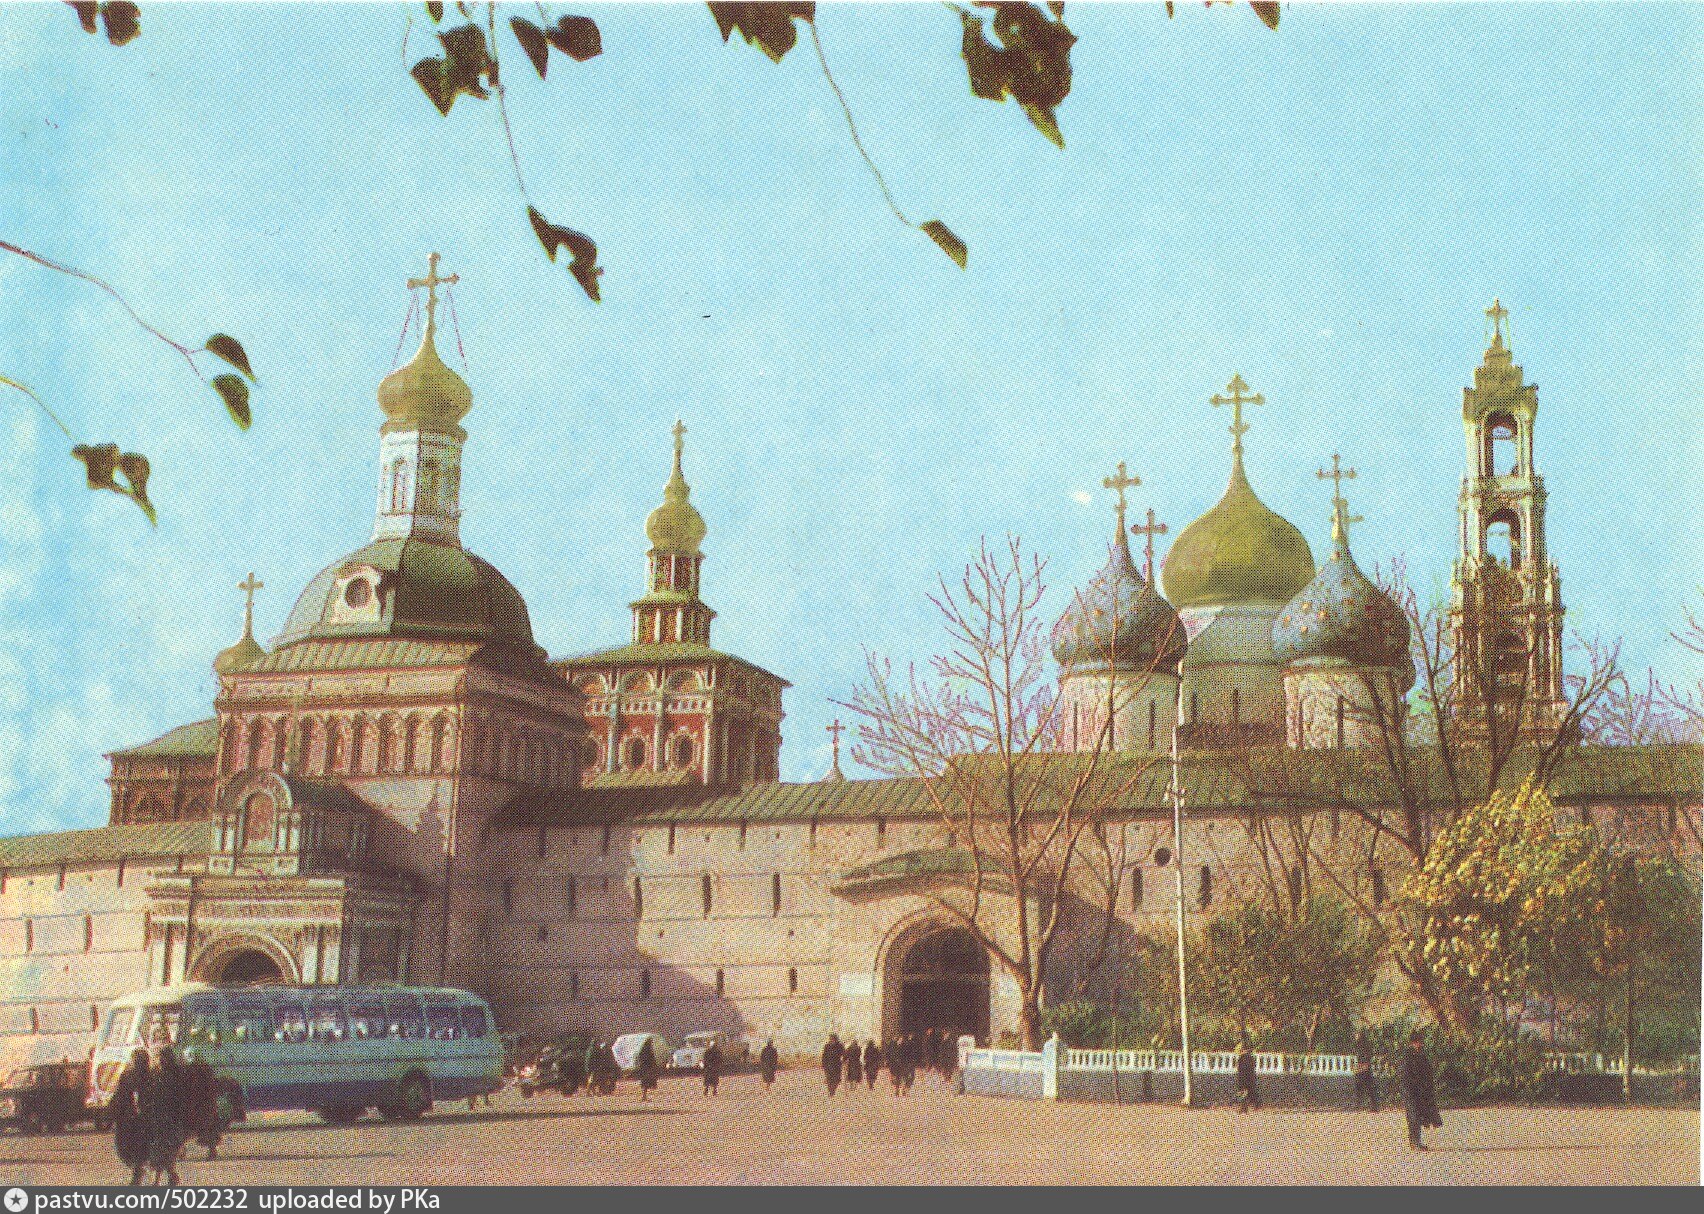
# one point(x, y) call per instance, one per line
point(662, 653)
point(107, 843)
point(197, 740)
point(642, 779)
point(1270, 779)
point(361, 655)
point(910, 866)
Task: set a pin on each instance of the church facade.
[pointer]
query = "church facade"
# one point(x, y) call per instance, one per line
point(406, 786)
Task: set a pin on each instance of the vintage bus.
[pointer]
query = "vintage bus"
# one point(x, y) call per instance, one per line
point(335, 1050)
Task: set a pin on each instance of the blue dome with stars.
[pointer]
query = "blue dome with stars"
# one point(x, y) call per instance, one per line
point(1119, 621)
point(1342, 618)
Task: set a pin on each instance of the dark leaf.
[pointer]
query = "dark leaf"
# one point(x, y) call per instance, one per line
point(1170, 9)
point(104, 464)
point(532, 42)
point(576, 37)
point(234, 392)
point(85, 13)
point(767, 26)
point(435, 10)
point(231, 350)
point(951, 245)
point(1057, 8)
point(465, 68)
point(584, 266)
point(123, 21)
point(1030, 62)
point(1266, 12)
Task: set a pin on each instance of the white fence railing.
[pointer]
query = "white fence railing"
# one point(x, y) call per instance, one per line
point(1597, 1064)
point(1004, 1060)
point(1208, 1062)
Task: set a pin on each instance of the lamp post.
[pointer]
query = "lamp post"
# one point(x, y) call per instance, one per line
point(1175, 790)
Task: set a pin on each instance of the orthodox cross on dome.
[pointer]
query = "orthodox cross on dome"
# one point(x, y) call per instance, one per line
point(248, 586)
point(1148, 531)
point(1236, 400)
point(834, 731)
point(679, 432)
point(1498, 315)
point(432, 282)
point(1119, 483)
point(1340, 516)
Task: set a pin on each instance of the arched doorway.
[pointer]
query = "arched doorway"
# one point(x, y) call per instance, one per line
point(247, 967)
point(942, 981)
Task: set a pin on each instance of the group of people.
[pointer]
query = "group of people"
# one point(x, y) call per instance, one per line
point(904, 1056)
point(1419, 1092)
point(160, 1103)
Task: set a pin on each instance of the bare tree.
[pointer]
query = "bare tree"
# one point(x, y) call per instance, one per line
point(1037, 831)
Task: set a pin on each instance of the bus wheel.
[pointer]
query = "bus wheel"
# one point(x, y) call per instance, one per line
point(412, 1100)
point(341, 1114)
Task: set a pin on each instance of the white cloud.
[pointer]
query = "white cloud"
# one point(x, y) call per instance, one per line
point(1083, 497)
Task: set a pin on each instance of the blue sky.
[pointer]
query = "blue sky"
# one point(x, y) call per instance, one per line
point(1326, 210)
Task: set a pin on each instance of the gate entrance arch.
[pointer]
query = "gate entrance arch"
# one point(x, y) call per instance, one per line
point(938, 980)
point(242, 961)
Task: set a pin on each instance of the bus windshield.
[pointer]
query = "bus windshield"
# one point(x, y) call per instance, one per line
point(157, 1018)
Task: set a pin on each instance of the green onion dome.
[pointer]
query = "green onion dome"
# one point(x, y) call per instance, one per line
point(1342, 618)
point(1239, 552)
point(676, 525)
point(424, 393)
point(1118, 621)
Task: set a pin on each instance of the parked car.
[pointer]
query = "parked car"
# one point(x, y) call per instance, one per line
point(45, 1098)
point(627, 1046)
point(690, 1055)
point(560, 1064)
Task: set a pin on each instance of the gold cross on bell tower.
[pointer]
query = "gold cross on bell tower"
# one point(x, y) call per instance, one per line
point(1119, 483)
point(1148, 531)
point(1498, 315)
point(432, 282)
point(1340, 516)
point(1236, 400)
point(248, 586)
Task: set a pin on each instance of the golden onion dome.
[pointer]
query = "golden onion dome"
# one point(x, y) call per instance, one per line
point(239, 656)
point(424, 392)
point(1239, 552)
point(676, 525)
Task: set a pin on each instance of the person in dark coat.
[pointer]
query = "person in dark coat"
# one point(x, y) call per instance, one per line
point(571, 1072)
point(1365, 1084)
point(872, 1064)
point(893, 1055)
point(129, 1132)
point(645, 1066)
point(1419, 1096)
point(833, 1055)
point(854, 1067)
point(1248, 1087)
point(946, 1056)
point(908, 1044)
point(202, 1118)
point(768, 1062)
point(162, 1114)
point(712, 1068)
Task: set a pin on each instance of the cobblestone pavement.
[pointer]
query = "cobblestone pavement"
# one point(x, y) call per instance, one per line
point(795, 1135)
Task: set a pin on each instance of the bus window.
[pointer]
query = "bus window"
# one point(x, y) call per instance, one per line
point(251, 1019)
point(292, 1022)
point(441, 1019)
point(326, 1023)
point(121, 1026)
point(366, 1021)
point(200, 1020)
point(473, 1023)
point(404, 1015)
point(160, 1018)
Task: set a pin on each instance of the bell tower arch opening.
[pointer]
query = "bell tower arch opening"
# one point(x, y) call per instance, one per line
point(248, 967)
point(937, 980)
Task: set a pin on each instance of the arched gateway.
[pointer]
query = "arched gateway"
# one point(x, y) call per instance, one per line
point(242, 960)
point(938, 980)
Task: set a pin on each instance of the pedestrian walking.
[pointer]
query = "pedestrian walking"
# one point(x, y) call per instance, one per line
point(833, 1055)
point(768, 1062)
point(1366, 1085)
point(895, 1058)
point(645, 1066)
point(872, 1064)
point(907, 1063)
point(1419, 1096)
point(946, 1056)
point(854, 1067)
point(712, 1068)
point(162, 1113)
point(129, 1131)
point(1248, 1087)
point(203, 1119)
point(608, 1069)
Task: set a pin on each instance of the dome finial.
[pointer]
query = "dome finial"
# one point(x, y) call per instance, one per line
point(676, 525)
point(834, 731)
point(1498, 315)
point(1119, 483)
point(246, 650)
point(425, 392)
point(1340, 516)
point(432, 282)
point(1236, 400)
point(1148, 531)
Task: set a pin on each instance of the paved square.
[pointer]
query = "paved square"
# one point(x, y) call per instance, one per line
point(795, 1135)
